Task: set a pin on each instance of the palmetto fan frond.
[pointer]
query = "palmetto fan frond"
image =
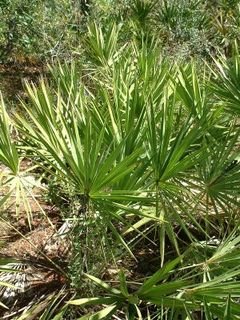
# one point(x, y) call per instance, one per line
point(33, 269)
point(29, 279)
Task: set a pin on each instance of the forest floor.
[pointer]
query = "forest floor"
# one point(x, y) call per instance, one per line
point(12, 77)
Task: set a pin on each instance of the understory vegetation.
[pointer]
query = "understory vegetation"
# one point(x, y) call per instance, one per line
point(132, 140)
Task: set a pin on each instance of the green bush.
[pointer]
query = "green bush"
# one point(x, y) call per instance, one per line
point(38, 30)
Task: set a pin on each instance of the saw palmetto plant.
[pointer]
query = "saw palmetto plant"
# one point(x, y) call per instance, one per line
point(145, 159)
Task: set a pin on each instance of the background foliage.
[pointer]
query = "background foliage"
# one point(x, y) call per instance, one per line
point(47, 29)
